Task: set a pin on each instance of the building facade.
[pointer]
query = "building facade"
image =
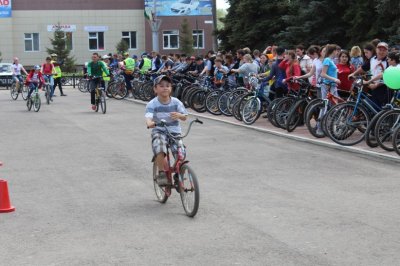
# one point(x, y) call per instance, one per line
point(92, 26)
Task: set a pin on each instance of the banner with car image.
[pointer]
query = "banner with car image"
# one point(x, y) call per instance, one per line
point(5, 8)
point(169, 8)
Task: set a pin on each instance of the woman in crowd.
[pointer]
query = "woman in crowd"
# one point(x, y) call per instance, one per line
point(329, 72)
point(356, 57)
point(317, 54)
point(292, 69)
point(344, 70)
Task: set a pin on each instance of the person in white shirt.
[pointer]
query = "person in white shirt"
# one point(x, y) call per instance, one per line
point(17, 68)
point(304, 60)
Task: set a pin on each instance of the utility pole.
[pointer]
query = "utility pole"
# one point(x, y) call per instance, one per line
point(214, 12)
point(155, 24)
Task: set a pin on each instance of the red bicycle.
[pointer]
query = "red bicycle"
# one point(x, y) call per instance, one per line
point(180, 176)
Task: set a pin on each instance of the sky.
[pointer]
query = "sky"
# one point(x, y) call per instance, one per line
point(222, 4)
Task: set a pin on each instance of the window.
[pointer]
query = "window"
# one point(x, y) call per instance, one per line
point(198, 39)
point(171, 39)
point(96, 41)
point(130, 38)
point(31, 42)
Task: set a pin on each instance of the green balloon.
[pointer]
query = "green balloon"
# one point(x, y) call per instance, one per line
point(391, 77)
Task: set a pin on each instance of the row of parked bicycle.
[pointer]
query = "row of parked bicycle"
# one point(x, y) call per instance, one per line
point(346, 120)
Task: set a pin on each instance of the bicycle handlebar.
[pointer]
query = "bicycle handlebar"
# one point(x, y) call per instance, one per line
point(163, 124)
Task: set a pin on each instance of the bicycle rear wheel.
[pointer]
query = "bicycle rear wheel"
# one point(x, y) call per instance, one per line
point(24, 92)
point(29, 104)
point(189, 190)
point(161, 195)
point(14, 91)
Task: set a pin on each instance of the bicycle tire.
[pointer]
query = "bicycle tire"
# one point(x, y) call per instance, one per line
point(338, 129)
point(161, 195)
point(193, 184)
point(271, 111)
point(37, 103)
point(48, 93)
point(312, 119)
point(384, 129)
point(223, 103)
point(212, 103)
point(282, 110)
point(370, 138)
point(198, 101)
point(119, 91)
point(13, 91)
point(24, 92)
point(396, 140)
point(103, 102)
point(295, 115)
point(29, 104)
point(251, 110)
point(109, 89)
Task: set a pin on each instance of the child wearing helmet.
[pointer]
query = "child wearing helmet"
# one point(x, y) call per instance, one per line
point(34, 80)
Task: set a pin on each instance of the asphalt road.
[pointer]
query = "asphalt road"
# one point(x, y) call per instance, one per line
point(81, 184)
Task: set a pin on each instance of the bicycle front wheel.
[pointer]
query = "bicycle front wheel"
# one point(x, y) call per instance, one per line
point(251, 110)
point(48, 93)
point(396, 140)
point(36, 103)
point(161, 195)
point(103, 102)
point(189, 190)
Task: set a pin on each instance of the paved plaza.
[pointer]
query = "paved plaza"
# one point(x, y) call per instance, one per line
point(82, 187)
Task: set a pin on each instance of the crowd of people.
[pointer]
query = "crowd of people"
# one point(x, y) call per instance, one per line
point(328, 68)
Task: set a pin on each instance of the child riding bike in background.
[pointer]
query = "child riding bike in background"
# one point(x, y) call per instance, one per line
point(34, 80)
point(170, 109)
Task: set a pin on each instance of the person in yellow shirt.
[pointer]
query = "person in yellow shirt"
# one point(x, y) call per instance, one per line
point(128, 66)
point(57, 77)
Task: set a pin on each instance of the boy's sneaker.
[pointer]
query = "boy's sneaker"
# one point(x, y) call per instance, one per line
point(162, 179)
point(94, 107)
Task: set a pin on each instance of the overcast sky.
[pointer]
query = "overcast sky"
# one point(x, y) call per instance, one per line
point(222, 4)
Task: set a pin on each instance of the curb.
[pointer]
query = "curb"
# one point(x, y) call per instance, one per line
point(298, 138)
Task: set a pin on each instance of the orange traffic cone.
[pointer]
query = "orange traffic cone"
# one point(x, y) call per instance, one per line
point(5, 204)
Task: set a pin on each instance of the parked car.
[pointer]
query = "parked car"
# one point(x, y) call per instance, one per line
point(184, 7)
point(5, 74)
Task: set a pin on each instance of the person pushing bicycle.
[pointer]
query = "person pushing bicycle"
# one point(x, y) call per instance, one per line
point(170, 110)
point(95, 71)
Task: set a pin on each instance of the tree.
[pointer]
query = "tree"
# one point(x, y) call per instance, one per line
point(221, 14)
point(186, 38)
point(59, 44)
point(252, 23)
point(122, 46)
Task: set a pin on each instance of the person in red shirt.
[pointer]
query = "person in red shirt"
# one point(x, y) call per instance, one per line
point(34, 80)
point(48, 71)
point(344, 70)
point(291, 67)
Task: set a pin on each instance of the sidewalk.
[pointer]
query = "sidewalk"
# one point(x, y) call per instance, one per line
point(300, 134)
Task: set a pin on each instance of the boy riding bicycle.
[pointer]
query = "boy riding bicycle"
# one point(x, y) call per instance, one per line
point(34, 80)
point(166, 108)
point(95, 70)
